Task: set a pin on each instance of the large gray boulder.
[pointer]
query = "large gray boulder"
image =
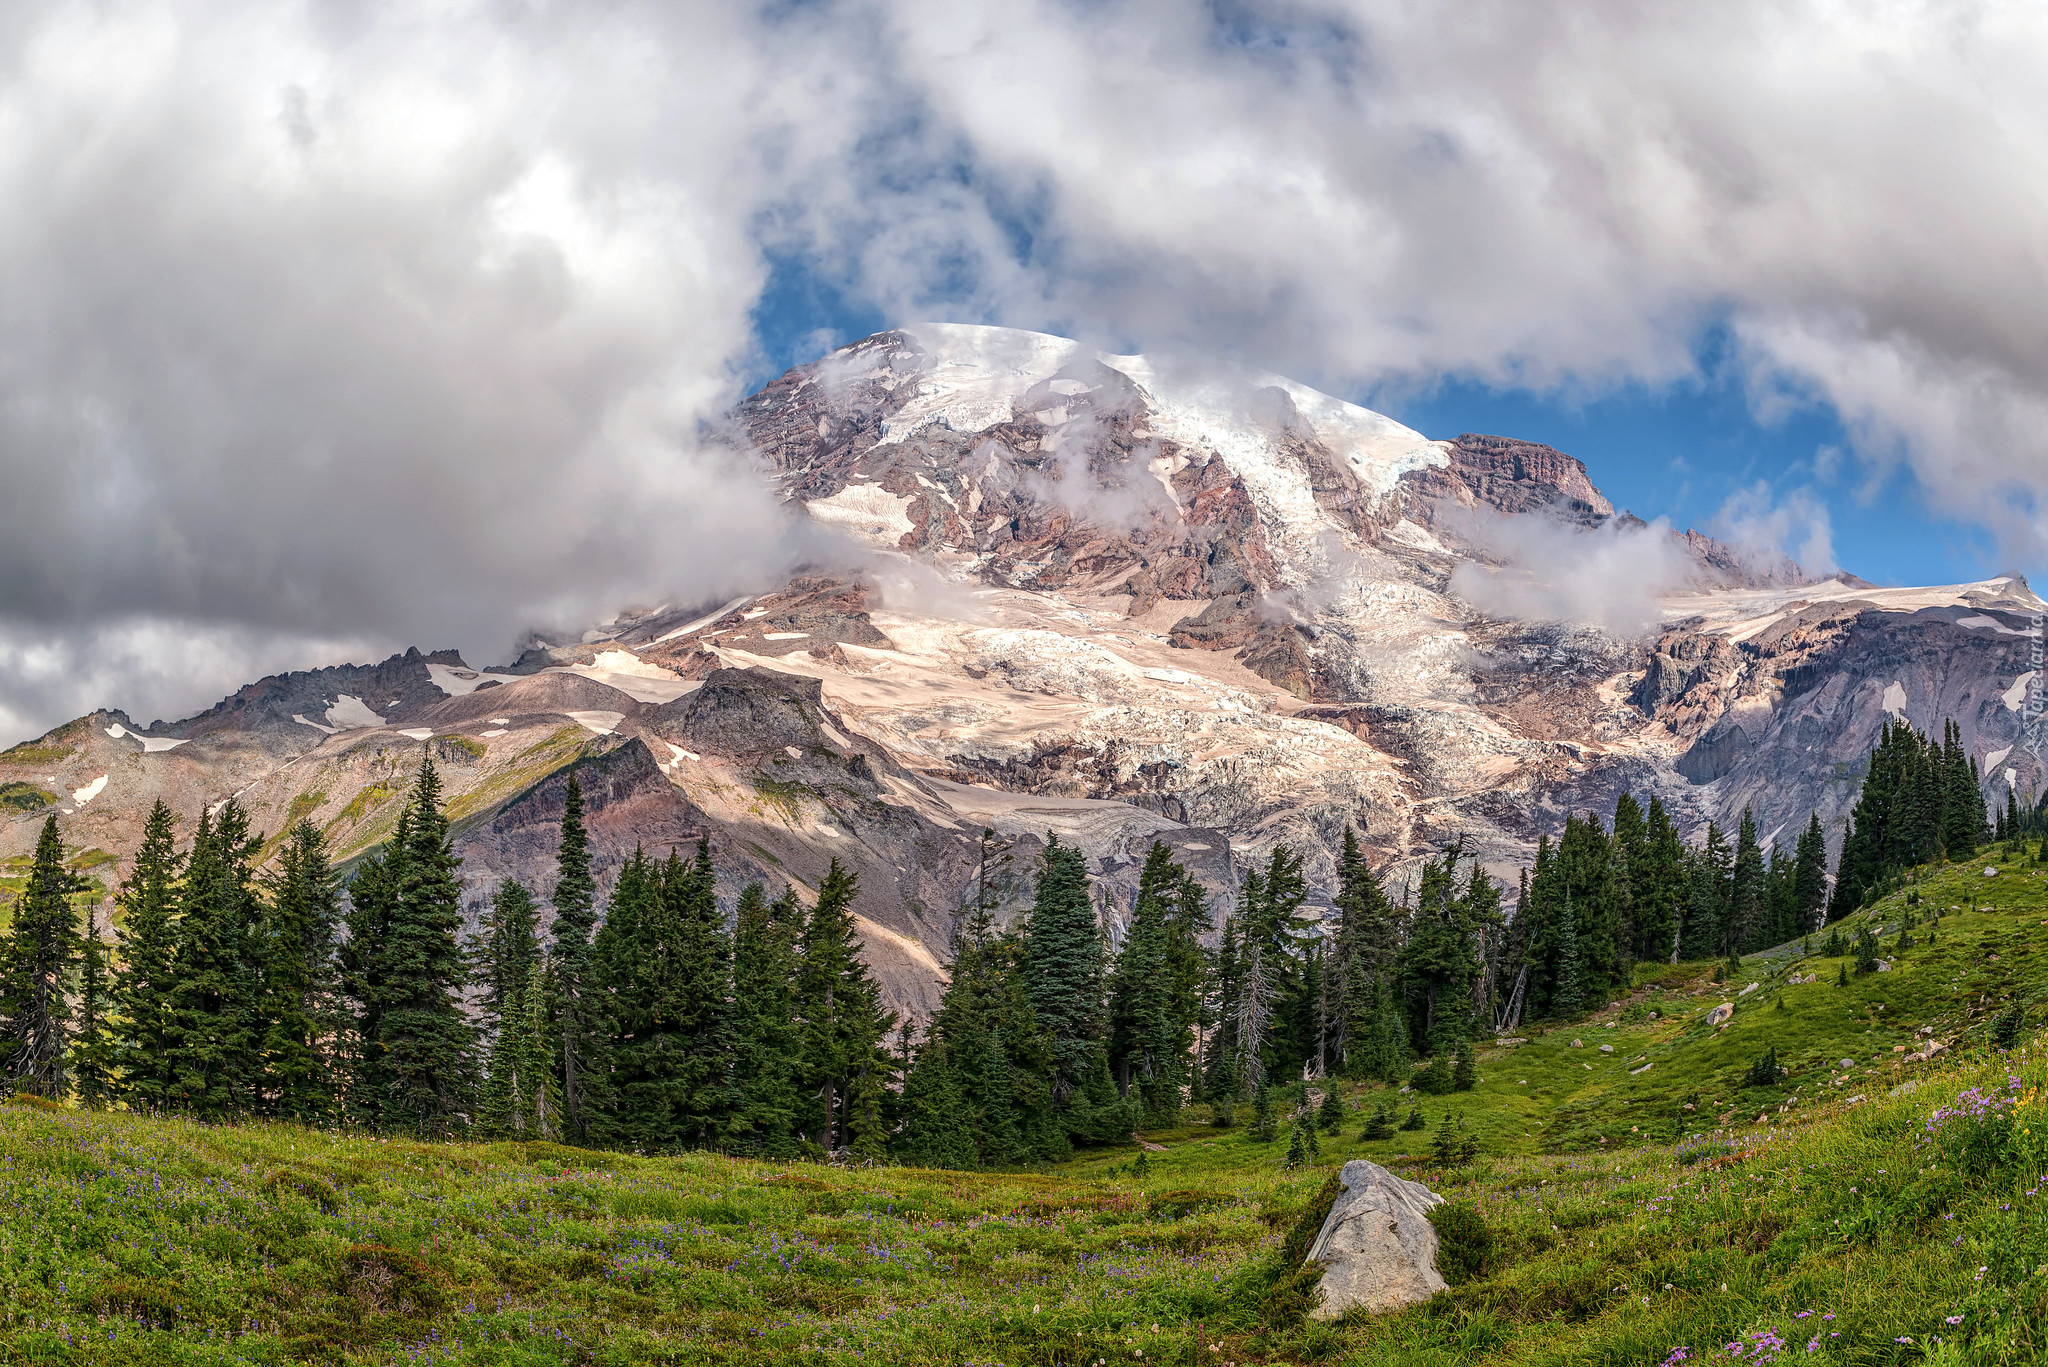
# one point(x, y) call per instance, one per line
point(1377, 1248)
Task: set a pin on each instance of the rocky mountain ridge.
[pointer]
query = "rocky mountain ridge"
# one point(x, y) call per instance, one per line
point(1108, 598)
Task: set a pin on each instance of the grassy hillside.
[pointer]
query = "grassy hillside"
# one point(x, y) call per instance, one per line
point(1856, 1209)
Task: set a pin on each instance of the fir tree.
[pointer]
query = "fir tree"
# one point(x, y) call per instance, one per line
point(511, 974)
point(148, 901)
point(1330, 1115)
point(213, 1001)
point(767, 1068)
point(937, 1131)
point(575, 907)
point(844, 1027)
point(1661, 890)
point(1154, 990)
point(1063, 977)
point(1465, 1075)
point(301, 980)
point(372, 898)
point(1568, 999)
point(1810, 879)
point(93, 1045)
point(41, 947)
point(519, 1099)
point(1414, 1120)
point(424, 1038)
point(1263, 1123)
point(1381, 1125)
point(1745, 930)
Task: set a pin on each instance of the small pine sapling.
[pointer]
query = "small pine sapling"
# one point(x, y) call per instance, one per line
point(1330, 1115)
point(1381, 1124)
point(1414, 1120)
point(1465, 1074)
point(1264, 1130)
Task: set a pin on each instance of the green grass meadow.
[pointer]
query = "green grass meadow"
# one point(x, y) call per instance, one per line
point(1635, 1200)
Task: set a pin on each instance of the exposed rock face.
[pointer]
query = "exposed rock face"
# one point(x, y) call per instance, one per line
point(1147, 605)
point(1377, 1247)
point(1518, 476)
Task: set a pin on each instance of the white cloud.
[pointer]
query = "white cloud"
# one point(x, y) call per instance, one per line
point(1608, 577)
point(1763, 526)
point(325, 321)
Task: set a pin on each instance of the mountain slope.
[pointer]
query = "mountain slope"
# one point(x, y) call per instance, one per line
point(1116, 599)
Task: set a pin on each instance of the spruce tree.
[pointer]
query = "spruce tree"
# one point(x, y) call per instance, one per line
point(214, 1000)
point(767, 1060)
point(665, 962)
point(1660, 885)
point(148, 901)
point(1330, 1115)
point(40, 950)
point(1063, 978)
point(575, 907)
point(844, 1027)
point(1810, 881)
point(1745, 930)
point(509, 971)
point(93, 1044)
point(424, 1037)
point(1465, 1074)
point(519, 1098)
point(372, 905)
point(1154, 990)
point(302, 983)
point(937, 1131)
point(1568, 998)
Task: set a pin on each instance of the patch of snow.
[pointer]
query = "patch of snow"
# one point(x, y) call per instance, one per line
point(81, 796)
point(1991, 761)
point(1980, 622)
point(750, 616)
point(1173, 676)
point(784, 635)
point(151, 745)
point(418, 732)
point(604, 723)
point(626, 662)
point(494, 731)
point(1895, 698)
point(2015, 697)
point(501, 721)
point(677, 754)
point(323, 730)
point(1742, 613)
point(832, 734)
point(865, 510)
point(352, 711)
point(458, 683)
point(639, 687)
point(706, 621)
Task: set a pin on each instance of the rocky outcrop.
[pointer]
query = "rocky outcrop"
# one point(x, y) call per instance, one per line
point(1523, 476)
point(1377, 1247)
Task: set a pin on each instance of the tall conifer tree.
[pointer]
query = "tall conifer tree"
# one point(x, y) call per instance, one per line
point(575, 906)
point(767, 1037)
point(302, 980)
point(40, 950)
point(844, 1026)
point(148, 901)
point(424, 1038)
point(93, 1047)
